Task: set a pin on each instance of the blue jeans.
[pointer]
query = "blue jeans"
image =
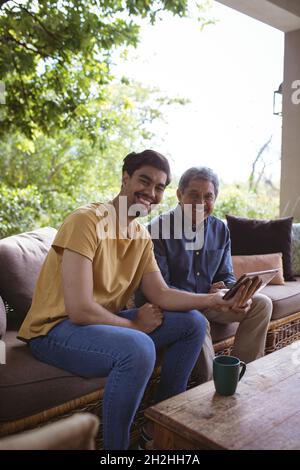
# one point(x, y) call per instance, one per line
point(127, 358)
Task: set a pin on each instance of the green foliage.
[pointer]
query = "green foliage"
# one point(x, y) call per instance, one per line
point(233, 199)
point(66, 125)
point(55, 59)
point(70, 171)
point(20, 209)
point(240, 201)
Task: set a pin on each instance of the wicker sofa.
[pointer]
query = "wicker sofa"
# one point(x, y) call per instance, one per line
point(33, 393)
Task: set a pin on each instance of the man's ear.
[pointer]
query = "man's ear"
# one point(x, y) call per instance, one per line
point(178, 194)
point(125, 178)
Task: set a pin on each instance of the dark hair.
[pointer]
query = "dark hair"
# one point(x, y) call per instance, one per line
point(200, 173)
point(133, 161)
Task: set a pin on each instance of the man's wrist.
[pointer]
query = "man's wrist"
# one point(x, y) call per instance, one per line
point(132, 324)
point(214, 300)
point(211, 301)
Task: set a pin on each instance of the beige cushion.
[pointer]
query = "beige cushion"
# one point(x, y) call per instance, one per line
point(77, 432)
point(251, 263)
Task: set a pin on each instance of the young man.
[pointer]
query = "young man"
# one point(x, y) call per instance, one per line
point(208, 269)
point(77, 319)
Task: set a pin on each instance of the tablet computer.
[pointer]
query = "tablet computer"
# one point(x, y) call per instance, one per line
point(263, 276)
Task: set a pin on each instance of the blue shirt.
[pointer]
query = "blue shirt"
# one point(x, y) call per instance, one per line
point(193, 270)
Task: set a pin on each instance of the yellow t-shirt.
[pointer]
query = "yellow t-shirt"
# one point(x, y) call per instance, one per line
point(118, 266)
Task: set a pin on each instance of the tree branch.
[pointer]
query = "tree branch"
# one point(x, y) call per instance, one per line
point(35, 18)
point(23, 44)
point(261, 151)
point(61, 165)
point(260, 175)
point(21, 80)
point(2, 2)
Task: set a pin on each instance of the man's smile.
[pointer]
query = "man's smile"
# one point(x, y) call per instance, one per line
point(144, 199)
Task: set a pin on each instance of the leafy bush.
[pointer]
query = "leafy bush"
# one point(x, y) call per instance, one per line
point(20, 209)
point(27, 208)
point(238, 200)
point(68, 171)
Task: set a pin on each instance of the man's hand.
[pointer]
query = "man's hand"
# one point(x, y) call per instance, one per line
point(216, 287)
point(245, 303)
point(149, 317)
point(244, 309)
point(241, 301)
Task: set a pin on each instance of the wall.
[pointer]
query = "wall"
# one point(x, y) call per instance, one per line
point(290, 164)
point(281, 14)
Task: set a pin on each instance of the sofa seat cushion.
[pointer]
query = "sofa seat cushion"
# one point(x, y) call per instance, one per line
point(28, 386)
point(286, 299)
point(220, 332)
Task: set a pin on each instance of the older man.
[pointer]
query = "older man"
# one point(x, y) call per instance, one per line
point(207, 267)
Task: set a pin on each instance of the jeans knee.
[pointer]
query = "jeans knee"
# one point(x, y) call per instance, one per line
point(264, 306)
point(269, 306)
point(197, 322)
point(207, 324)
point(142, 352)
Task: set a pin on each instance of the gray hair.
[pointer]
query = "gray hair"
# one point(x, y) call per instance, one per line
point(199, 173)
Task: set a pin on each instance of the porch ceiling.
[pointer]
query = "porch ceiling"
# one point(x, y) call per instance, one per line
point(281, 14)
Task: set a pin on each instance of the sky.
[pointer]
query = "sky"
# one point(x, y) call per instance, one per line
point(228, 72)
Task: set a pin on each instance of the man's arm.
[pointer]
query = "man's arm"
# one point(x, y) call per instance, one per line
point(158, 293)
point(161, 259)
point(225, 276)
point(77, 278)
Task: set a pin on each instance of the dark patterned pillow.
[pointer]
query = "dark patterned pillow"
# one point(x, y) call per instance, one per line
point(258, 237)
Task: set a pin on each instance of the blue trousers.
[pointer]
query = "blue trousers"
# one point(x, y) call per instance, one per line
point(127, 358)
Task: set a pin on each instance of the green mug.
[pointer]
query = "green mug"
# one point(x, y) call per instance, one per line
point(227, 372)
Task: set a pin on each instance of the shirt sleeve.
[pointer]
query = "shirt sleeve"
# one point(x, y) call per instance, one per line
point(225, 271)
point(78, 233)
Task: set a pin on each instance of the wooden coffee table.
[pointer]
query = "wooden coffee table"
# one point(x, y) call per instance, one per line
point(264, 413)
